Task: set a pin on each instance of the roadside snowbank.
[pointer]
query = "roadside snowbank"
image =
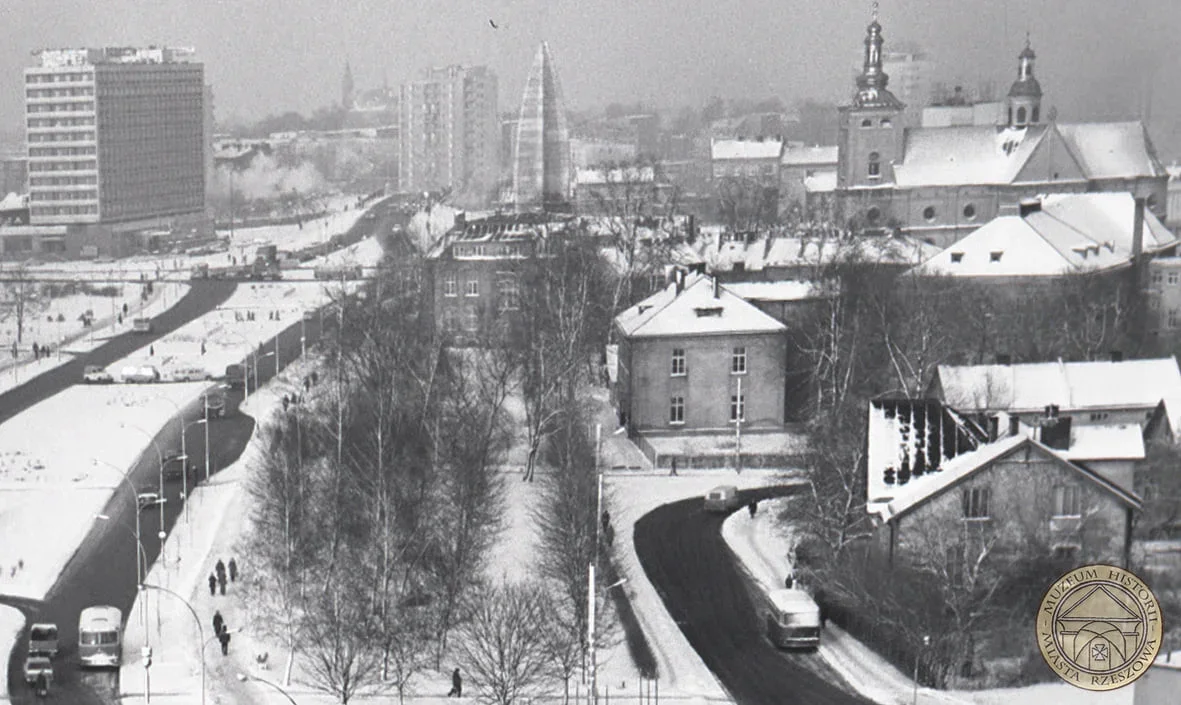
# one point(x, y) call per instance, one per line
point(12, 623)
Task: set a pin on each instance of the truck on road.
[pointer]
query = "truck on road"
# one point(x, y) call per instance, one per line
point(793, 619)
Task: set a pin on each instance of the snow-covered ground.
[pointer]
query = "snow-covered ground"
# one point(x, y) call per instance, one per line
point(56, 461)
point(12, 622)
point(763, 546)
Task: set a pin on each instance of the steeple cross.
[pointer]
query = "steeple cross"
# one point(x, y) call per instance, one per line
point(875, 10)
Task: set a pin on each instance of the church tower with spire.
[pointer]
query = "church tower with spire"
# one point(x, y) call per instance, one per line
point(871, 130)
point(1025, 96)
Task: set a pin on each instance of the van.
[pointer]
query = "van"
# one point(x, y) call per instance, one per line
point(721, 500)
point(215, 403)
point(43, 639)
point(793, 619)
point(142, 325)
point(96, 374)
point(140, 375)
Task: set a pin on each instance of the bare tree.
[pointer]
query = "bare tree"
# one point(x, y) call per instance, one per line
point(747, 203)
point(504, 645)
point(343, 660)
point(20, 289)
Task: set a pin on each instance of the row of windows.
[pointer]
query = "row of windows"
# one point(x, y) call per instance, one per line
point(64, 210)
point(930, 212)
point(62, 137)
point(82, 195)
point(35, 93)
point(737, 362)
point(676, 409)
point(976, 502)
point(61, 122)
point(1173, 276)
point(884, 122)
point(63, 181)
point(61, 151)
point(82, 165)
point(486, 250)
point(75, 107)
point(59, 77)
point(507, 290)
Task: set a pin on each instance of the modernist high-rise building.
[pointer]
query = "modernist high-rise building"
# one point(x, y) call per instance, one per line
point(117, 137)
point(541, 161)
point(450, 130)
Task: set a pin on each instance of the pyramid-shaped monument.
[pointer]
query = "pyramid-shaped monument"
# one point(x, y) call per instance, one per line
point(541, 159)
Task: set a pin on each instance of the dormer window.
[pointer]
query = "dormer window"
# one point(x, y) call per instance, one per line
point(995, 256)
point(709, 312)
point(875, 165)
point(957, 257)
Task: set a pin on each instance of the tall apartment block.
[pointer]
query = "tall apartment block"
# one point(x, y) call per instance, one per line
point(450, 130)
point(117, 147)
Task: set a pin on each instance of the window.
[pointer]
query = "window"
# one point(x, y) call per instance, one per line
point(887, 122)
point(867, 123)
point(1172, 278)
point(472, 288)
point(995, 256)
point(957, 257)
point(875, 165)
point(737, 407)
point(975, 501)
point(1068, 501)
point(676, 410)
point(508, 294)
point(1157, 277)
point(929, 213)
point(738, 361)
point(678, 368)
point(471, 319)
point(970, 212)
point(1036, 114)
point(873, 215)
point(1172, 321)
point(1066, 553)
point(1021, 113)
point(1099, 415)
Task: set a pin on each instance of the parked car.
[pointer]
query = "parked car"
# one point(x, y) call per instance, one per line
point(96, 374)
point(215, 401)
point(140, 375)
point(189, 374)
point(721, 500)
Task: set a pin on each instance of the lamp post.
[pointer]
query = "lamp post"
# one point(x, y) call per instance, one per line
point(160, 457)
point(185, 468)
point(255, 355)
point(139, 567)
point(926, 643)
point(143, 587)
point(243, 677)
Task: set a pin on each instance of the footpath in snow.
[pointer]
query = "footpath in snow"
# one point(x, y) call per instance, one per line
point(762, 547)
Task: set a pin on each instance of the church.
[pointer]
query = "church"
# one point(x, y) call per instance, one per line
point(940, 183)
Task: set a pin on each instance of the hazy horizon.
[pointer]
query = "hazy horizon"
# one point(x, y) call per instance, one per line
point(1094, 56)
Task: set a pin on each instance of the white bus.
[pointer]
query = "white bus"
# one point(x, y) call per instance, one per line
point(100, 636)
point(793, 619)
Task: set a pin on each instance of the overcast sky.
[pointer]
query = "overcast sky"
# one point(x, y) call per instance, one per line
point(267, 56)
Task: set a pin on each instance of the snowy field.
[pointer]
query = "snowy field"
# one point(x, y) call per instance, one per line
point(52, 468)
point(12, 623)
point(762, 546)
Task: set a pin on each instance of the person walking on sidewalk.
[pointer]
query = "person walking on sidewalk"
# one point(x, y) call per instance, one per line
point(233, 570)
point(221, 582)
point(218, 622)
point(221, 570)
point(456, 685)
point(212, 584)
point(223, 637)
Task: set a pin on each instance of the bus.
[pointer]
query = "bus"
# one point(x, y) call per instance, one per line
point(793, 619)
point(99, 636)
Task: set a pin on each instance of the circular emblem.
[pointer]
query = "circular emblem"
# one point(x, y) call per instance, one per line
point(1099, 627)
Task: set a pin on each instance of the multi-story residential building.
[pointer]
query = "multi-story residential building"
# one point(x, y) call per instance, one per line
point(117, 146)
point(450, 136)
point(758, 160)
point(941, 182)
point(695, 358)
point(475, 272)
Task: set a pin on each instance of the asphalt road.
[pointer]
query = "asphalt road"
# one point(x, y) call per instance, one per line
point(686, 558)
point(103, 570)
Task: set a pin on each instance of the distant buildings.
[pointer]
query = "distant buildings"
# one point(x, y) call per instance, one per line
point(940, 183)
point(757, 160)
point(117, 151)
point(541, 161)
point(449, 130)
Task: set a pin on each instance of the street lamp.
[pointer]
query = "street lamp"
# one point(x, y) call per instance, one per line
point(184, 461)
point(926, 643)
point(160, 457)
point(590, 629)
point(139, 567)
point(243, 677)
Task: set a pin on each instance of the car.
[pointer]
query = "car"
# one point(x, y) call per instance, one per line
point(141, 375)
point(149, 499)
point(189, 374)
point(35, 665)
point(96, 374)
point(43, 639)
point(142, 325)
point(722, 499)
point(215, 403)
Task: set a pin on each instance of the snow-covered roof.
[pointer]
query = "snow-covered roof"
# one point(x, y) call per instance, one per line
point(14, 201)
point(802, 156)
point(821, 182)
point(776, 291)
point(810, 251)
point(1069, 233)
point(696, 311)
point(986, 154)
point(1115, 442)
point(967, 464)
point(746, 149)
point(1112, 150)
point(1030, 387)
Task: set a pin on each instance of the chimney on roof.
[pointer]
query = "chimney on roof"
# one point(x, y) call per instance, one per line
point(1138, 230)
point(717, 288)
point(679, 276)
point(1029, 205)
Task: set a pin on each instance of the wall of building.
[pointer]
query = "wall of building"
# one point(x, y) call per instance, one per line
point(708, 384)
point(470, 317)
point(14, 175)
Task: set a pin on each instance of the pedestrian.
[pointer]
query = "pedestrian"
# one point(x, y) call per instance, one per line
point(202, 347)
point(233, 570)
point(151, 350)
point(221, 582)
point(605, 519)
point(789, 580)
point(224, 638)
point(212, 584)
point(286, 402)
point(218, 622)
point(456, 685)
point(124, 308)
point(315, 377)
point(752, 508)
point(36, 351)
point(307, 383)
point(220, 568)
point(609, 535)
point(120, 319)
